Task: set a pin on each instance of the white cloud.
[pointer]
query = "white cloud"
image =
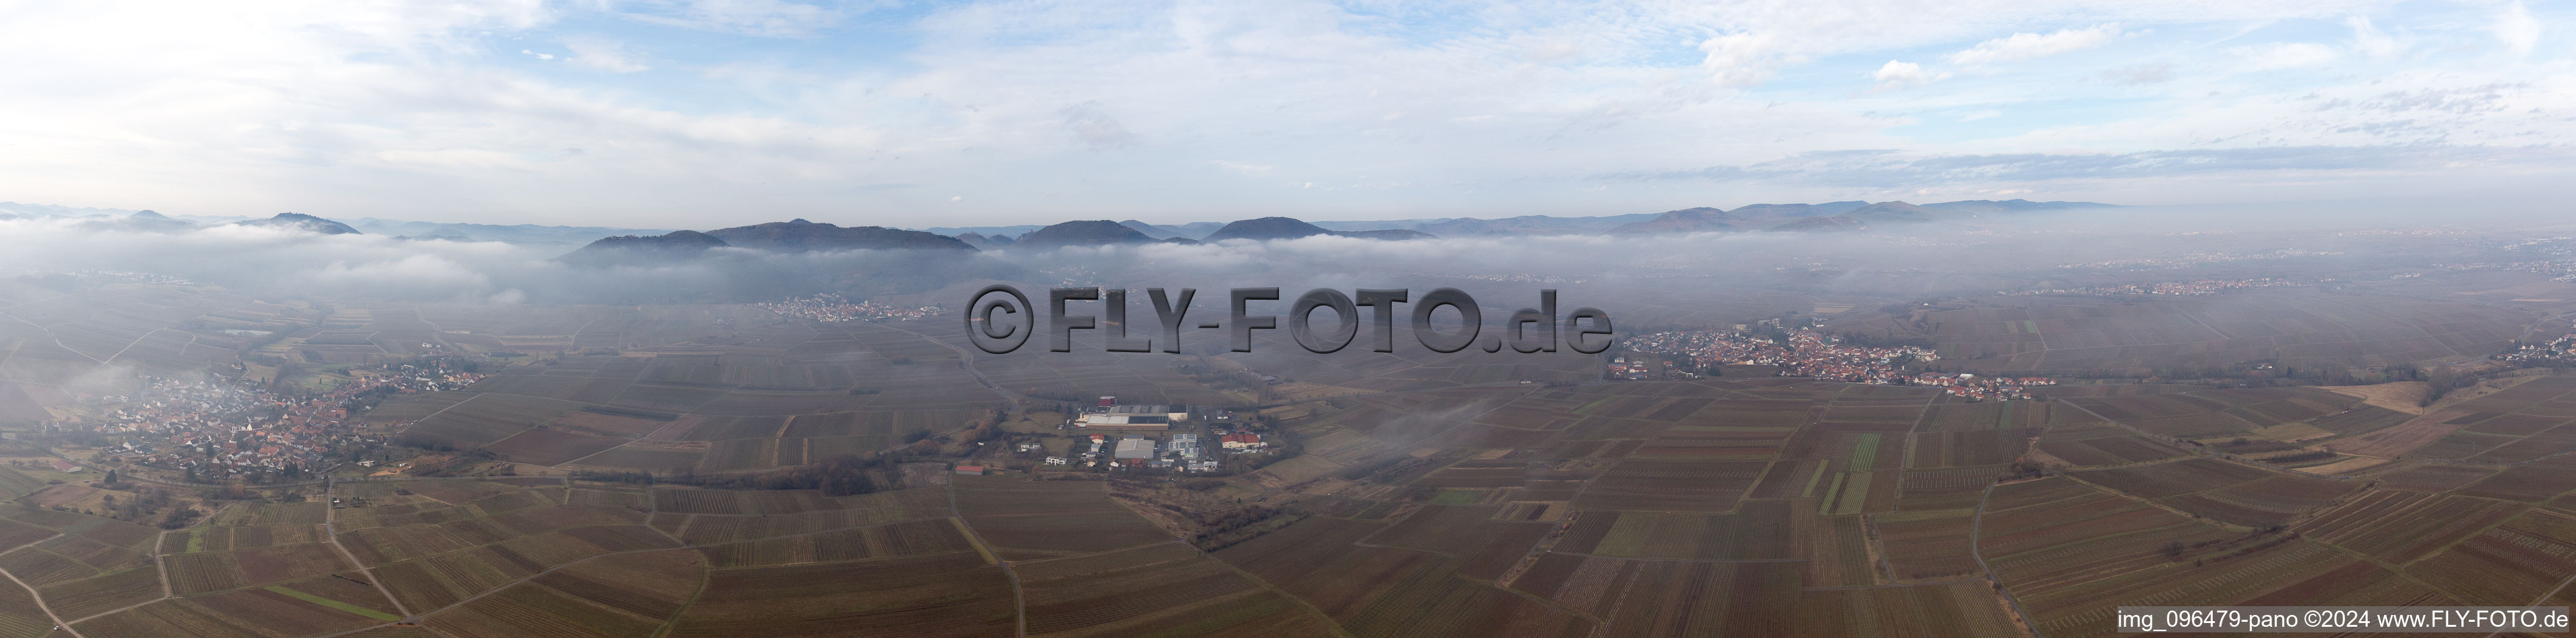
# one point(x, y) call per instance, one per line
point(427, 111)
point(769, 18)
point(1092, 125)
point(540, 56)
point(2284, 55)
point(2517, 28)
point(1239, 167)
point(1742, 59)
point(2371, 41)
point(602, 54)
point(1894, 74)
point(2026, 46)
point(2141, 74)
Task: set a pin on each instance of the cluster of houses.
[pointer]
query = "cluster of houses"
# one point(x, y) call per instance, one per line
point(1136, 447)
point(1185, 451)
point(831, 308)
point(217, 429)
point(2561, 348)
point(1980, 388)
point(2185, 288)
point(1805, 352)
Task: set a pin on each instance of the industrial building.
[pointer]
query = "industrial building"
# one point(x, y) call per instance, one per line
point(1134, 447)
point(1132, 418)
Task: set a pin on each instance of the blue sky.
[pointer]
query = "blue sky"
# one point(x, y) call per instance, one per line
point(673, 113)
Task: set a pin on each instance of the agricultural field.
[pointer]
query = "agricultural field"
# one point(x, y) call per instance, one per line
point(1466, 495)
point(1028, 520)
point(648, 389)
point(2526, 421)
point(2289, 327)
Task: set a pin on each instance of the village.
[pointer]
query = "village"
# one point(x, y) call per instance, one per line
point(1153, 436)
point(2557, 350)
point(831, 308)
point(1807, 352)
point(2560, 270)
point(215, 429)
point(2193, 287)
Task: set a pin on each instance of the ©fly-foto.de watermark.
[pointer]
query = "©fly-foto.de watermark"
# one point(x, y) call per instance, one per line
point(1000, 319)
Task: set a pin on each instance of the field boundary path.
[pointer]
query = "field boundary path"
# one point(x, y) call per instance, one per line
point(1019, 597)
point(966, 361)
point(330, 529)
point(2201, 450)
point(31, 591)
point(1976, 530)
point(2544, 598)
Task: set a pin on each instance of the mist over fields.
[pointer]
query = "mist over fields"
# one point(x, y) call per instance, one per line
point(1903, 260)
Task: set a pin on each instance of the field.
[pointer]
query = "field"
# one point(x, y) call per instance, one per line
point(2293, 328)
point(1469, 495)
point(1154, 588)
point(647, 388)
point(1040, 519)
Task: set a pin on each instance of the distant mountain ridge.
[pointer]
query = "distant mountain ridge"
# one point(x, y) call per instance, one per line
point(1828, 216)
point(1098, 232)
point(511, 233)
point(1268, 228)
point(799, 235)
point(1851, 215)
point(643, 249)
point(303, 222)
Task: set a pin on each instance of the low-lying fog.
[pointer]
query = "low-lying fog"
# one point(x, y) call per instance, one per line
point(1948, 257)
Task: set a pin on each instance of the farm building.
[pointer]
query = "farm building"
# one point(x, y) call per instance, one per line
point(1130, 422)
point(971, 470)
point(1135, 447)
point(1147, 417)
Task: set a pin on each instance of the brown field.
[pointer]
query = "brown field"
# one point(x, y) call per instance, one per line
point(2104, 446)
point(96, 595)
point(2401, 396)
point(2526, 557)
point(2399, 527)
point(941, 595)
point(1708, 486)
point(2268, 501)
point(1473, 507)
point(548, 446)
point(2172, 479)
point(1929, 545)
point(1764, 530)
point(2530, 483)
point(1486, 546)
point(935, 536)
point(1036, 519)
point(1150, 595)
point(2246, 573)
point(2054, 532)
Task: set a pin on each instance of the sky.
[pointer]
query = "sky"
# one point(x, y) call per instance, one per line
point(710, 113)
